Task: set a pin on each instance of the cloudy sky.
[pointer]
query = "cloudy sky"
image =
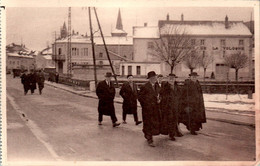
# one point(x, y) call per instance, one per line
point(35, 27)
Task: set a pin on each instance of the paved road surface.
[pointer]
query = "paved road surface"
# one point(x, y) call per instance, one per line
point(62, 126)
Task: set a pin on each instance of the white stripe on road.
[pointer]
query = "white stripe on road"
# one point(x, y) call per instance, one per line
point(37, 132)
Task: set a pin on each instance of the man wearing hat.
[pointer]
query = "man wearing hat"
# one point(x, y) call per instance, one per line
point(129, 94)
point(106, 94)
point(149, 101)
point(193, 110)
point(25, 80)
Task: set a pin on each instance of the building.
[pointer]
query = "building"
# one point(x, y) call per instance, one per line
point(19, 57)
point(44, 59)
point(119, 45)
point(216, 38)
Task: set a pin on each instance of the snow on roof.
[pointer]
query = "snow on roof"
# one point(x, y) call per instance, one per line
point(146, 32)
point(47, 51)
point(48, 57)
point(18, 55)
point(114, 40)
point(215, 28)
point(118, 31)
point(75, 39)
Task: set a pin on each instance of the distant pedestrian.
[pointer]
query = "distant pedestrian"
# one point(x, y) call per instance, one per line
point(192, 113)
point(106, 94)
point(158, 84)
point(40, 81)
point(25, 80)
point(149, 100)
point(129, 94)
point(57, 77)
point(33, 78)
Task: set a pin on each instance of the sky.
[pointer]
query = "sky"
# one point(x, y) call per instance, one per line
point(35, 26)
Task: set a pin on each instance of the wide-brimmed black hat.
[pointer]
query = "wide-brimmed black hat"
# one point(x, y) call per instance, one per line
point(193, 74)
point(151, 74)
point(172, 75)
point(129, 75)
point(108, 74)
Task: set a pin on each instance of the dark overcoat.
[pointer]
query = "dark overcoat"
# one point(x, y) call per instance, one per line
point(40, 80)
point(192, 109)
point(169, 106)
point(106, 95)
point(150, 110)
point(129, 95)
point(25, 80)
point(33, 81)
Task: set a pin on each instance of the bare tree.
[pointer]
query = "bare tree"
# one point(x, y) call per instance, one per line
point(172, 46)
point(192, 60)
point(236, 61)
point(205, 61)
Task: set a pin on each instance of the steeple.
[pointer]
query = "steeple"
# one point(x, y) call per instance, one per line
point(63, 31)
point(119, 24)
point(119, 31)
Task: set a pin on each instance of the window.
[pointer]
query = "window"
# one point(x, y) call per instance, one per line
point(193, 41)
point(17, 62)
point(100, 55)
point(74, 50)
point(129, 70)
point(77, 51)
point(203, 53)
point(123, 70)
point(241, 42)
point(85, 51)
point(100, 62)
point(222, 42)
point(150, 45)
point(138, 70)
point(224, 53)
point(202, 42)
point(59, 51)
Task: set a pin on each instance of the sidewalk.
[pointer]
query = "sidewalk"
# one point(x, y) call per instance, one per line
point(222, 116)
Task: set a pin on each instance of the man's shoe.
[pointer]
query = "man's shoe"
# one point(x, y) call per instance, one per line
point(99, 123)
point(179, 134)
point(116, 124)
point(151, 144)
point(138, 122)
point(172, 138)
point(193, 133)
point(124, 122)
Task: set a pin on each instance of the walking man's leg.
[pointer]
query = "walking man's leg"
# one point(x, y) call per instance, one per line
point(136, 119)
point(124, 117)
point(100, 118)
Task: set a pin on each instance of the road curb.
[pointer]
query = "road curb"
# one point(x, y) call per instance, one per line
point(120, 102)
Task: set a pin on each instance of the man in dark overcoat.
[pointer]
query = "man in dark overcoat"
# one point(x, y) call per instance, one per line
point(106, 94)
point(129, 94)
point(169, 106)
point(33, 77)
point(149, 100)
point(40, 81)
point(25, 80)
point(193, 110)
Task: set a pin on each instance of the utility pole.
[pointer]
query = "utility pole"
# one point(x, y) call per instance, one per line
point(93, 47)
point(106, 47)
point(69, 67)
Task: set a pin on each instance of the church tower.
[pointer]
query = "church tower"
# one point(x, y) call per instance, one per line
point(63, 31)
point(119, 27)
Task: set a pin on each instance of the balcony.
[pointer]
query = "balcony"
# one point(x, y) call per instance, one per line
point(58, 57)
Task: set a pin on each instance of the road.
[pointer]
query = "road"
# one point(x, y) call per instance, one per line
point(62, 126)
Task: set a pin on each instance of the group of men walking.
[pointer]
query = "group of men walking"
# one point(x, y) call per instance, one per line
point(30, 79)
point(164, 104)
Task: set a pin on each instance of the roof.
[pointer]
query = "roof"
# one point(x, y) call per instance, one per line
point(75, 39)
point(47, 51)
point(146, 32)
point(215, 28)
point(18, 55)
point(114, 40)
point(48, 57)
point(16, 48)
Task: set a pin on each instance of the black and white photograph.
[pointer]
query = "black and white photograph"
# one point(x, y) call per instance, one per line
point(122, 83)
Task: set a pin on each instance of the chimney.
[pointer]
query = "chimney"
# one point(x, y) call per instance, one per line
point(168, 17)
point(226, 22)
point(182, 17)
point(145, 24)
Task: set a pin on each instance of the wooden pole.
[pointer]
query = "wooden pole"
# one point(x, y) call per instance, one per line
point(93, 47)
point(108, 57)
